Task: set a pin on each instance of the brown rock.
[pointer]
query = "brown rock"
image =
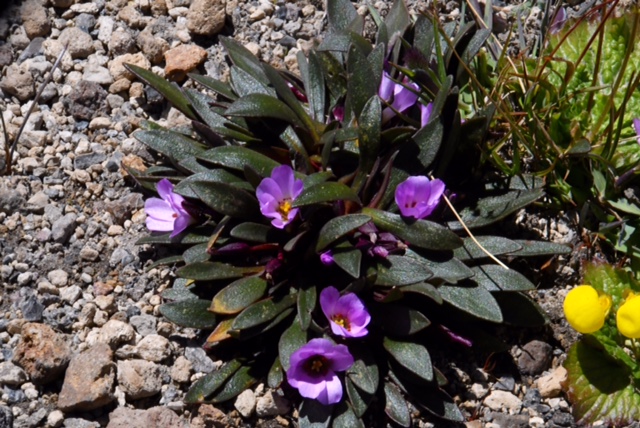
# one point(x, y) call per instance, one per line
point(153, 47)
point(117, 69)
point(79, 44)
point(139, 378)
point(551, 385)
point(34, 19)
point(42, 353)
point(89, 381)
point(182, 59)
point(206, 17)
point(18, 82)
point(155, 417)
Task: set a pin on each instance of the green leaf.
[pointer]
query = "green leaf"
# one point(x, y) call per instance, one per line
point(169, 90)
point(438, 403)
point(211, 382)
point(287, 95)
point(325, 192)
point(262, 312)
point(520, 310)
point(313, 414)
point(398, 19)
point(428, 140)
point(196, 235)
point(165, 262)
point(240, 381)
point(338, 227)
point(342, 17)
point(399, 320)
point(189, 313)
point(315, 86)
point(411, 356)
point(364, 374)
point(237, 157)
point(395, 405)
point(421, 233)
point(252, 232)
point(263, 106)
point(495, 245)
point(197, 253)
point(307, 297)
point(370, 124)
point(291, 340)
point(451, 270)
point(359, 399)
point(497, 278)
point(345, 417)
point(600, 389)
point(209, 271)
point(215, 176)
point(361, 85)
point(245, 84)
point(473, 299)
point(425, 289)
point(349, 260)
point(243, 58)
point(236, 296)
point(276, 375)
point(215, 85)
point(540, 248)
point(171, 144)
point(401, 270)
point(227, 199)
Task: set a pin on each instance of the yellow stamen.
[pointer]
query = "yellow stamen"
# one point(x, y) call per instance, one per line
point(342, 322)
point(284, 208)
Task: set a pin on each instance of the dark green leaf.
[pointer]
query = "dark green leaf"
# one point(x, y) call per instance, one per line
point(243, 58)
point(237, 157)
point(313, 414)
point(438, 403)
point(421, 233)
point(411, 356)
point(475, 300)
point(189, 313)
point(325, 192)
point(171, 144)
point(342, 17)
point(428, 140)
point(315, 87)
point(540, 248)
point(395, 405)
point(398, 19)
point(425, 289)
point(180, 291)
point(169, 90)
point(262, 312)
point(338, 227)
point(286, 94)
point(317, 178)
point(451, 270)
point(365, 375)
point(195, 236)
point(276, 374)
point(252, 232)
point(345, 417)
point(399, 320)
point(211, 382)
point(217, 176)
point(207, 271)
point(307, 297)
point(360, 85)
point(495, 245)
point(227, 199)
point(475, 44)
point(369, 135)
point(497, 278)
point(293, 142)
point(291, 340)
point(263, 106)
point(236, 296)
point(238, 382)
point(245, 84)
point(217, 86)
point(518, 309)
point(401, 270)
point(165, 261)
point(197, 253)
point(349, 260)
point(359, 399)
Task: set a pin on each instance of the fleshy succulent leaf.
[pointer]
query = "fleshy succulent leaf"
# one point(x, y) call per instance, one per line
point(236, 296)
point(412, 356)
point(211, 382)
point(262, 312)
point(338, 227)
point(395, 405)
point(189, 313)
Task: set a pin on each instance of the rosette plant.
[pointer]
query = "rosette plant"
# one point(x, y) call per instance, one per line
point(302, 265)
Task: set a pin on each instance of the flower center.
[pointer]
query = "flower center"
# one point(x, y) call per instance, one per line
point(175, 215)
point(317, 365)
point(342, 321)
point(284, 208)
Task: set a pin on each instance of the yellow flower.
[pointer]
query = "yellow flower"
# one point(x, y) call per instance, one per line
point(628, 317)
point(585, 309)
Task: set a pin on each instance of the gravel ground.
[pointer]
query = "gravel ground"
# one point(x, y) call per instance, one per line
point(82, 342)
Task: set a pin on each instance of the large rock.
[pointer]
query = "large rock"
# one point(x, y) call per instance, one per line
point(89, 381)
point(86, 101)
point(79, 44)
point(535, 358)
point(42, 353)
point(206, 17)
point(34, 19)
point(18, 82)
point(183, 59)
point(139, 378)
point(155, 417)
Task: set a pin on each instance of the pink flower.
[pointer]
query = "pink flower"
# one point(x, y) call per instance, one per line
point(418, 196)
point(636, 127)
point(399, 96)
point(277, 193)
point(346, 314)
point(313, 368)
point(167, 214)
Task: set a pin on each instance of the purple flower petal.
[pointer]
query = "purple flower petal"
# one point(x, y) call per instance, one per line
point(181, 223)
point(327, 258)
point(159, 209)
point(165, 189)
point(418, 196)
point(346, 314)
point(167, 214)
point(387, 86)
point(425, 113)
point(403, 97)
point(636, 126)
point(277, 193)
point(156, 225)
point(558, 21)
point(332, 392)
point(284, 178)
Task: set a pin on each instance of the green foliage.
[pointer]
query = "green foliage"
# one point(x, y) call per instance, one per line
point(258, 286)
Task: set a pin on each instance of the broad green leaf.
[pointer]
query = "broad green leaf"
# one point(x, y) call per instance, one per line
point(345, 417)
point(171, 144)
point(197, 253)
point(216, 175)
point(313, 414)
point(364, 374)
point(338, 227)
point(227, 199)
point(221, 333)
point(411, 356)
point(425, 289)
point(276, 374)
point(239, 381)
point(428, 140)
point(349, 260)
point(307, 297)
point(496, 245)
point(252, 232)
point(401, 270)
point(245, 84)
point(236, 296)
point(520, 310)
point(169, 90)
point(263, 106)
point(237, 157)
point(399, 320)
point(211, 382)
point(315, 87)
point(624, 206)
point(540, 248)
point(325, 192)
point(181, 290)
point(395, 405)
point(600, 389)
point(342, 17)
point(287, 95)
point(262, 312)
point(243, 58)
point(317, 178)
point(360, 86)
point(359, 399)
point(215, 85)
point(209, 271)
point(291, 340)
point(398, 19)
point(473, 299)
point(421, 233)
point(189, 313)
point(497, 278)
point(451, 270)
point(438, 403)
point(196, 235)
point(165, 261)
point(370, 124)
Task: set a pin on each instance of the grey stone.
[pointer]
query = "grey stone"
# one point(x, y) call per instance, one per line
point(86, 100)
point(272, 404)
point(31, 309)
point(34, 49)
point(121, 256)
point(85, 22)
point(144, 324)
point(511, 421)
point(181, 370)
point(61, 3)
point(535, 358)
point(6, 417)
point(114, 333)
point(58, 277)
point(85, 161)
point(155, 417)
point(122, 208)
point(79, 44)
point(37, 202)
point(18, 82)
point(139, 378)
point(10, 374)
point(154, 348)
point(97, 74)
point(245, 403)
point(80, 423)
point(206, 17)
point(63, 228)
point(199, 358)
point(6, 55)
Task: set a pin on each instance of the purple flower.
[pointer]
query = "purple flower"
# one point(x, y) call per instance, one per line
point(398, 95)
point(313, 370)
point(346, 314)
point(378, 244)
point(327, 258)
point(636, 127)
point(418, 196)
point(558, 21)
point(167, 214)
point(425, 113)
point(276, 194)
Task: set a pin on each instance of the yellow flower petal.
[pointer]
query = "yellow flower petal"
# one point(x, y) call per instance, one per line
point(628, 318)
point(585, 310)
